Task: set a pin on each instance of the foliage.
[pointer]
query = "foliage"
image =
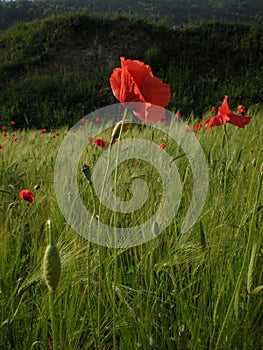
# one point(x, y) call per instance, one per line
point(51, 100)
point(55, 70)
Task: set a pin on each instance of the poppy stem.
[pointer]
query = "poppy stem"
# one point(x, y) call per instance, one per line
point(50, 242)
point(115, 230)
point(100, 281)
point(225, 142)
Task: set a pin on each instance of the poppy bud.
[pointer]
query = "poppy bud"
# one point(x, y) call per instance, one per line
point(52, 267)
point(116, 131)
point(155, 228)
point(37, 187)
point(86, 172)
point(11, 205)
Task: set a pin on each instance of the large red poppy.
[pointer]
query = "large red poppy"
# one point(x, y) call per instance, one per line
point(27, 195)
point(135, 82)
point(225, 115)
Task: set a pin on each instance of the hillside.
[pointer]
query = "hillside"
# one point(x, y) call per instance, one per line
point(54, 70)
point(174, 12)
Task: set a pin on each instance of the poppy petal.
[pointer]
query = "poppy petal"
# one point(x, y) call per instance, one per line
point(224, 109)
point(137, 69)
point(239, 120)
point(155, 91)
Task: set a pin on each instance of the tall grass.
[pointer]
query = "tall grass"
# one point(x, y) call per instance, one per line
point(196, 290)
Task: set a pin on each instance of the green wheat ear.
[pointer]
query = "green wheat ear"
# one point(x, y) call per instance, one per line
point(52, 267)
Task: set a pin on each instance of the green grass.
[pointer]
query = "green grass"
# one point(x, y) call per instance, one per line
point(195, 290)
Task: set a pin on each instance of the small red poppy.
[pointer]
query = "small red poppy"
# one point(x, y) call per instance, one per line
point(5, 134)
point(1, 146)
point(136, 162)
point(27, 195)
point(12, 122)
point(241, 109)
point(213, 109)
point(101, 143)
point(89, 138)
point(43, 131)
point(197, 127)
point(178, 114)
point(4, 127)
point(162, 146)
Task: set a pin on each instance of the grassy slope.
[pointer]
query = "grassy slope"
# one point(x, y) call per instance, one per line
point(55, 70)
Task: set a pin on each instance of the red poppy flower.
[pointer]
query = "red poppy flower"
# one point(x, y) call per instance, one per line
point(213, 109)
point(225, 115)
point(136, 162)
point(43, 131)
point(101, 143)
point(27, 195)
point(135, 82)
point(197, 127)
point(241, 109)
point(1, 146)
point(162, 146)
point(12, 122)
point(178, 115)
point(4, 127)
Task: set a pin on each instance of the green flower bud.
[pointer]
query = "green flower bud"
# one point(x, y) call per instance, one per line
point(52, 267)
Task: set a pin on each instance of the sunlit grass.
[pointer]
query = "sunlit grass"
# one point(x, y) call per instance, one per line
point(193, 290)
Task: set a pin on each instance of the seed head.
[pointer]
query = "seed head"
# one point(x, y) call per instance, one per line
point(52, 267)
